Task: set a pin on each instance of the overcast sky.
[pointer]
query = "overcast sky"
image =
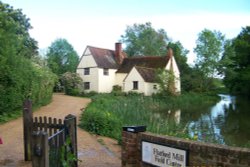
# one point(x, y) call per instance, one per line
point(100, 23)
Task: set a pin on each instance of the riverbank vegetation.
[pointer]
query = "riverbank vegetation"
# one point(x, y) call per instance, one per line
point(109, 112)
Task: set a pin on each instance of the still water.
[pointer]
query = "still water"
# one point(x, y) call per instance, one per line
point(226, 122)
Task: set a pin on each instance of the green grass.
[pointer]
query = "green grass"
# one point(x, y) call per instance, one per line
point(6, 117)
point(108, 113)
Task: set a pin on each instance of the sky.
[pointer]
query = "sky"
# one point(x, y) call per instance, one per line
point(101, 23)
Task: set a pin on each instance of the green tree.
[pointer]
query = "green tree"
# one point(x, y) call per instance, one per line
point(180, 54)
point(209, 48)
point(62, 57)
point(143, 39)
point(20, 77)
point(165, 79)
point(236, 63)
point(15, 26)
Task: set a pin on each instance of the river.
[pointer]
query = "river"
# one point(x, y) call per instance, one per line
point(227, 122)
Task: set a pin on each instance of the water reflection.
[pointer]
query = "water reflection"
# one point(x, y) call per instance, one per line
point(226, 122)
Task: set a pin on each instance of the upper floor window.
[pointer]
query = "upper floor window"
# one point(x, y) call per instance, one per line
point(86, 71)
point(105, 71)
point(135, 85)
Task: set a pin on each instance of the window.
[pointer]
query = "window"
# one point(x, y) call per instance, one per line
point(105, 71)
point(86, 71)
point(86, 85)
point(135, 85)
point(154, 86)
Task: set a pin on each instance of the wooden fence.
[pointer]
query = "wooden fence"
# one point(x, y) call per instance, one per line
point(49, 141)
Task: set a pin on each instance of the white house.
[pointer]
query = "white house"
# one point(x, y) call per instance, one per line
point(101, 69)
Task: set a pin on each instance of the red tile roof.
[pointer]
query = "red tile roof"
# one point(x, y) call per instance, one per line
point(153, 62)
point(104, 58)
point(148, 74)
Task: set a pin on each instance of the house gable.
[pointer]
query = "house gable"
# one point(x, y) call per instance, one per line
point(87, 60)
point(133, 76)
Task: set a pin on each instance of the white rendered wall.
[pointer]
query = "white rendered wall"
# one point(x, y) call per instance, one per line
point(176, 74)
point(106, 82)
point(134, 76)
point(87, 61)
point(92, 78)
point(119, 79)
point(149, 88)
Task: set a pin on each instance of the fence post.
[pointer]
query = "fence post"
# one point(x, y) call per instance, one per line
point(71, 132)
point(40, 149)
point(27, 128)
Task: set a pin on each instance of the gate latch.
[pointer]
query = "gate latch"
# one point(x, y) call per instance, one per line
point(38, 151)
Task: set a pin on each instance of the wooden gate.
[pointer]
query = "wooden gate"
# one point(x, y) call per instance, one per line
point(49, 141)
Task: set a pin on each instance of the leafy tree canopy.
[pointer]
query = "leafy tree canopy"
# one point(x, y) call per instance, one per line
point(209, 48)
point(20, 77)
point(14, 27)
point(235, 63)
point(143, 39)
point(62, 57)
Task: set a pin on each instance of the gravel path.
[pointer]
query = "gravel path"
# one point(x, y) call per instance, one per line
point(93, 151)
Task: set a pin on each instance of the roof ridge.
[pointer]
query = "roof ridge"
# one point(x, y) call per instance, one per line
point(99, 48)
point(144, 67)
point(139, 57)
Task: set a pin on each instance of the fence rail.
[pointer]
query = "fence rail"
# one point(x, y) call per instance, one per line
point(47, 124)
point(46, 139)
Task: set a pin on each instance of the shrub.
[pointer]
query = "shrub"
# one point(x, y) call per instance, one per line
point(72, 83)
point(101, 123)
point(28, 81)
point(117, 88)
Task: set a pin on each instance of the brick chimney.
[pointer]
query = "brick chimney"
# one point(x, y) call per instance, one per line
point(118, 53)
point(169, 53)
point(169, 57)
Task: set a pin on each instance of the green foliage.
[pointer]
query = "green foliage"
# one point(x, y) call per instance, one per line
point(180, 55)
point(72, 83)
point(20, 78)
point(62, 57)
point(14, 29)
point(165, 79)
point(209, 47)
point(67, 157)
point(108, 113)
point(101, 122)
point(117, 88)
point(235, 63)
point(143, 39)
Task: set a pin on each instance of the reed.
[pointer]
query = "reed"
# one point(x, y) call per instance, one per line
point(108, 113)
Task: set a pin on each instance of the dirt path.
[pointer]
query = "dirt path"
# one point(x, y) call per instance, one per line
point(93, 151)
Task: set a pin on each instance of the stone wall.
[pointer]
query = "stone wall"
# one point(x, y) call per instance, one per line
point(200, 154)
